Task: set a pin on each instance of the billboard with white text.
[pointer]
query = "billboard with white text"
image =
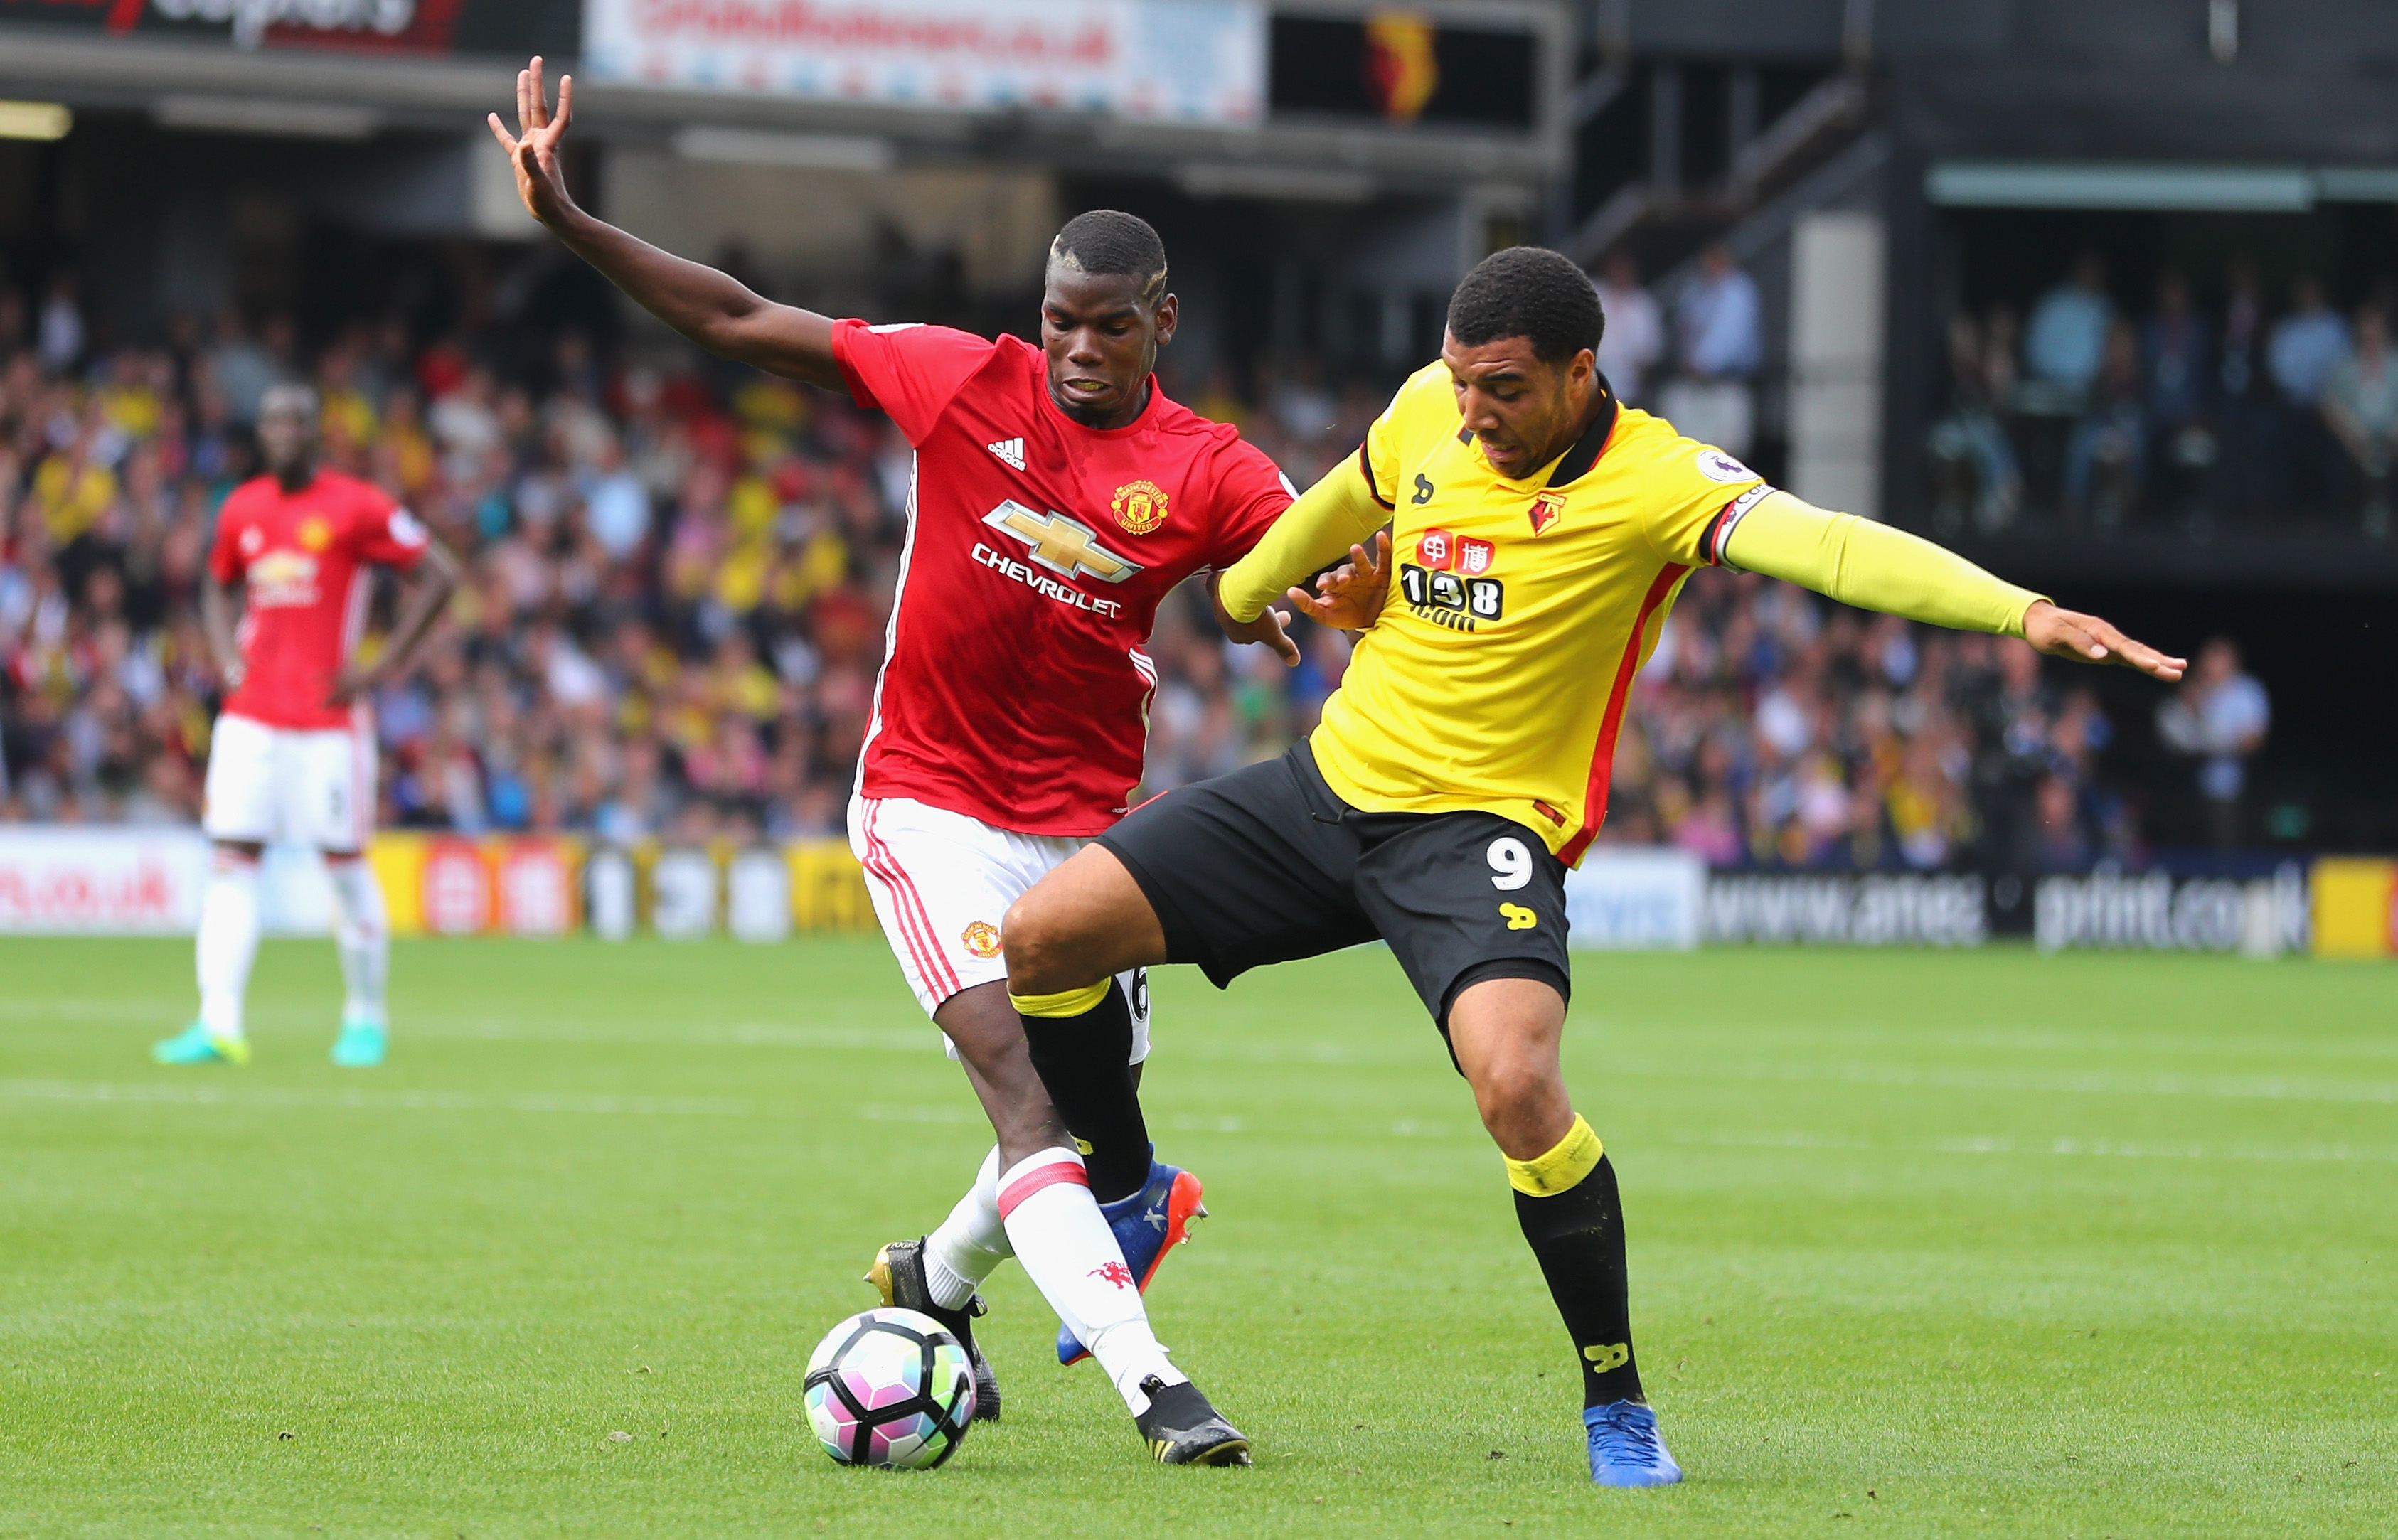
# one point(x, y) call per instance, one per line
point(1177, 60)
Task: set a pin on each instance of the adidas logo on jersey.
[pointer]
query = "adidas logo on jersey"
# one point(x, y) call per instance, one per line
point(1011, 451)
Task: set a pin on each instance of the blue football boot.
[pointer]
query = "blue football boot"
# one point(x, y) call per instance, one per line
point(1625, 1449)
point(1148, 1224)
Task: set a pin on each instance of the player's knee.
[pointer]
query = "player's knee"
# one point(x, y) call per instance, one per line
point(1511, 1094)
point(1032, 940)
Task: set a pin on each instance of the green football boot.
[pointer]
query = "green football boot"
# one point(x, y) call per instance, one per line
point(196, 1045)
point(361, 1044)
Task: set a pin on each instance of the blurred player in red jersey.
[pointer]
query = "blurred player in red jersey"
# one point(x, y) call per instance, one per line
point(1058, 497)
point(292, 757)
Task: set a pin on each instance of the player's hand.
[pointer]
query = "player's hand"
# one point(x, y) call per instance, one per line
point(1267, 630)
point(352, 683)
point(2088, 639)
point(1350, 597)
point(535, 156)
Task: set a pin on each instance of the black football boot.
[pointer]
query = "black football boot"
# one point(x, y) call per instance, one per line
point(1182, 1429)
point(898, 1273)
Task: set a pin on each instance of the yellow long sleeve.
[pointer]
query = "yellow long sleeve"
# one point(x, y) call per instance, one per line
point(1872, 566)
point(1330, 517)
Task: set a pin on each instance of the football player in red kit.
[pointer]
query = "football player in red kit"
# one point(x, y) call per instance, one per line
point(1057, 496)
point(292, 757)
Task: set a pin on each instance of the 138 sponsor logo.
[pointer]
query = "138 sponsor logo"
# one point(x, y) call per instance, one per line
point(1446, 583)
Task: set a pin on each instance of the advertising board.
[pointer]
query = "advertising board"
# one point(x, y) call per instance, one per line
point(1185, 60)
point(1840, 910)
point(433, 27)
point(125, 881)
point(1622, 899)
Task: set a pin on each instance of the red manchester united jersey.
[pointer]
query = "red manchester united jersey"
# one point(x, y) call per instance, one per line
point(302, 559)
point(1014, 689)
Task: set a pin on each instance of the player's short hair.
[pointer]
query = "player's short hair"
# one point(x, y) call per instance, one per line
point(1527, 291)
point(293, 396)
point(1111, 241)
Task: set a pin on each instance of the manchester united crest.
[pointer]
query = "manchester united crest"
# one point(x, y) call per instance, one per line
point(1140, 506)
point(314, 534)
point(981, 937)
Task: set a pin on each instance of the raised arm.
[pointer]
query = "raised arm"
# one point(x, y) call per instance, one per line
point(710, 308)
point(1875, 566)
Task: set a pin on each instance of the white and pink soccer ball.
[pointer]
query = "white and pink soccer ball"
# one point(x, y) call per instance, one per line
point(890, 1388)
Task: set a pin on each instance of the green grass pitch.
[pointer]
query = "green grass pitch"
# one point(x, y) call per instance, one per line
point(1921, 1245)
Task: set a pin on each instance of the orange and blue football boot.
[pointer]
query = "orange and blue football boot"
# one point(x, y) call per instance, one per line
point(1148, 1224)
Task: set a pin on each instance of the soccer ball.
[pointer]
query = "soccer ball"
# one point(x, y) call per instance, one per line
point(890, 1387)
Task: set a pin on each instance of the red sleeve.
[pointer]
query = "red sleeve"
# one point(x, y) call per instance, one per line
point(384, 532)
point(909, 371)
point(1252, 494)
point(224, 555)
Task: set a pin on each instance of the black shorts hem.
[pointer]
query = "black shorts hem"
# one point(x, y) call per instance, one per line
point(1181, 944)
point(1537, 970)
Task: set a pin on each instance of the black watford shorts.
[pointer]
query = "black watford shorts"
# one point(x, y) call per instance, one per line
point(1266, 864)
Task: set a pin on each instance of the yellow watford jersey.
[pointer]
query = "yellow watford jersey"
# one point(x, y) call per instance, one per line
point(1518, 612)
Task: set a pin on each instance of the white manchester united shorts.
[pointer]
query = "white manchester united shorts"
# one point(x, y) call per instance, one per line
point(290, 785)
point(941, 884)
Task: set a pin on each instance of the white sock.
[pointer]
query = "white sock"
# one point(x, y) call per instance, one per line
point(1072, 1257)
point(362, 936)
point(228, 941)
point(971, 1243)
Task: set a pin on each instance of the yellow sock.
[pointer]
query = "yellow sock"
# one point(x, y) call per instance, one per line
point(1066, 1002)
point(1575, 1157)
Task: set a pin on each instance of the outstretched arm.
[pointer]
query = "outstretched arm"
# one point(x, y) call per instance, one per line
point(1875, 566)
point(710, 308)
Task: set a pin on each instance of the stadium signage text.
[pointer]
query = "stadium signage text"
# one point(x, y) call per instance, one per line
point(1847, 911)
point(250, 18)
point(1194, 60)
point(2156, 911)
point(258, 23)
point(65, 880)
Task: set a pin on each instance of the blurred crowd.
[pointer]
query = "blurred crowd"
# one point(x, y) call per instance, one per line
point(679, 576)
point(2187, 413)
point(1772, 729)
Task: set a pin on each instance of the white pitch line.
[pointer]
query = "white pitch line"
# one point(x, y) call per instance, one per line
point(96, 1094)
point(2008, 1145)
point(413, 1101)
point(2276, 1088)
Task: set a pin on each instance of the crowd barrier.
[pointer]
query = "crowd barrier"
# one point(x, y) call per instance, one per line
point(118, 880)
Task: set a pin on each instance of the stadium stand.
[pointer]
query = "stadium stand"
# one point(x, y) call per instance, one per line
point(680, 578)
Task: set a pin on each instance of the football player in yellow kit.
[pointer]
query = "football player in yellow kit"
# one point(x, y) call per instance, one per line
point(1539, 532)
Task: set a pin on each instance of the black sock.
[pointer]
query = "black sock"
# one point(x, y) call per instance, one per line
point(1082, 1061)
point(1578, 1236)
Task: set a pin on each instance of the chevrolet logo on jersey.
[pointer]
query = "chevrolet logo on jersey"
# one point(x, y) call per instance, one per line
point(1059, 544)
point(281, 580)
